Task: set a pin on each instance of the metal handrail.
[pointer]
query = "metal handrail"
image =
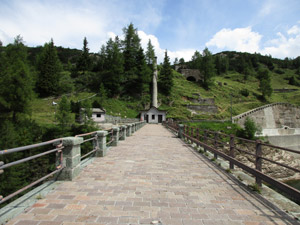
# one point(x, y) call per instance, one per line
point(294, 193)
point(23, 148)
point(58, 150)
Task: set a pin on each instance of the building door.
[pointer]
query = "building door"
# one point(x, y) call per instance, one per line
point(160, 117)
point(147, 118)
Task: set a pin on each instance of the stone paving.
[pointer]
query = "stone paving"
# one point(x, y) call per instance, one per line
point(152, 176)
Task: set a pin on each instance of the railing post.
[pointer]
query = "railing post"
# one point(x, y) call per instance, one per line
point(197, 136)
point(101, 143)
point(231, 153)
point(181, 130)
point(192, 134)
point(215, 144)
point(123, 137)
point(258, 161)
point(129, 126)
point(71, 158)
point(115, 136)
point(205, 139)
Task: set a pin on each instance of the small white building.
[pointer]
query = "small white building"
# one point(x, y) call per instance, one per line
point(98, 115)
point(153, 115)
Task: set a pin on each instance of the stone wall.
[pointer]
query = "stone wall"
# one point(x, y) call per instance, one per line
point(203, 108)
point(191, 73)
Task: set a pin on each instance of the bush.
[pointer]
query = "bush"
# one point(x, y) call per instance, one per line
point(245, 92)
point(250, 128)
point(293, 81)
point(279, 71)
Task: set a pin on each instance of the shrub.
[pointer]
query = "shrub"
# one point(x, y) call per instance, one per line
point(245, 92)
point(250, 128)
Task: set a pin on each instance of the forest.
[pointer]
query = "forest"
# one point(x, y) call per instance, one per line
point(121, 69)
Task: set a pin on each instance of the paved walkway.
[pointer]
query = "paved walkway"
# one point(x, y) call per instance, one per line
point(151, 176)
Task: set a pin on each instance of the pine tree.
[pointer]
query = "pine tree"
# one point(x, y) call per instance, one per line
point(15, 80)
point(63, 115)
point(113, 74)
point(150, 54)
point(165, 83)
point(196, 60)
point(131, 46)
point(84, 61)
point(144, 74)
point(49, 68)
point(207, 68)
point(265, 83)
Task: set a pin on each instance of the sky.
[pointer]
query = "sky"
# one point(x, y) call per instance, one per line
point(269, 27)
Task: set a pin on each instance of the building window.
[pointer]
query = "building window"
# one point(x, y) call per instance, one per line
point(98, 115)
point(153, 117)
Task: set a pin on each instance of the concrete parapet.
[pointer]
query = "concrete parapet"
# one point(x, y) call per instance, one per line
point(123, 129)
point(71, 158)
point(101, 143)
point(115, 136)
point(180, 132)
point(129, 130)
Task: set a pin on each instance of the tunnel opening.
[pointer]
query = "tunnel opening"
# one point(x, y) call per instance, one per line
point(193, 79)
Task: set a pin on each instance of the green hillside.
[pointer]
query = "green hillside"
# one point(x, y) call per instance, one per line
point(223, 86)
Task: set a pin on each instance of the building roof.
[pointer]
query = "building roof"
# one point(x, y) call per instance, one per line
point(154, 108)
point(95, 110)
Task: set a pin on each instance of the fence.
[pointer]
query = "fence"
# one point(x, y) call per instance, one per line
point(217, 142)
point(69, 153)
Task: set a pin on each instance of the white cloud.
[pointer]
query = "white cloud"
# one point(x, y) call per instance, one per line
point(246, 40)
point(68, 22)
point(294, 30)
point(284, 46)
point(239, 39)
point(160, 53)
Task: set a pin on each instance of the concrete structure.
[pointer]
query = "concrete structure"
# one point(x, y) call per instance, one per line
point(98, 115)
point(191, 74)
point(154, 84)
point(272, 116)
point(153, 115)
point(280, 122)
point(153, 177)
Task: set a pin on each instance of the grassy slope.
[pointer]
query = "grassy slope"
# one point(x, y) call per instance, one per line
point(43, 111)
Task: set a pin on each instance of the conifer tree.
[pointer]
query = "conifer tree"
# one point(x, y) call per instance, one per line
point(150, 54)
point(49, 68)
point(63, 115)
point(131, 46)
point(84, 61)
point(15, 80)
point(265, 83)
point(144, 74)
point(165, 83)
point(207, 68)
point(113, 74)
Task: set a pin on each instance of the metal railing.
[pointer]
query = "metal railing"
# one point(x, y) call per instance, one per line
point(106, 138)
point(228, 146)
point(58, 150)
point(92, 136)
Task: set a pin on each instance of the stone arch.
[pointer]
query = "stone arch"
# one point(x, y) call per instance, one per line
point(191, 78)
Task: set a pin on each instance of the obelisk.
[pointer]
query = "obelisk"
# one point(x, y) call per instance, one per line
point(154, 83)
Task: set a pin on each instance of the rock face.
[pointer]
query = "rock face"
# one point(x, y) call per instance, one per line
point(268, 168)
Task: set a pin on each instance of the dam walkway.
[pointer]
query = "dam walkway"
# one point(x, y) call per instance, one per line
point(152, 178)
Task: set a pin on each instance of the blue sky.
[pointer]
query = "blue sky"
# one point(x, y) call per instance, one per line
point(180, 26)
